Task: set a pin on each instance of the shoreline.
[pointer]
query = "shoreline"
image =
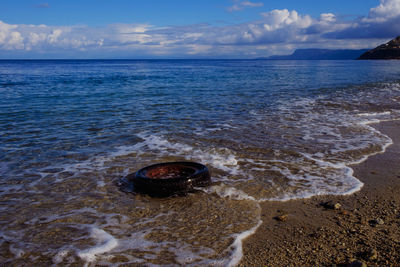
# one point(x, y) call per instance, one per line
point(366, 227)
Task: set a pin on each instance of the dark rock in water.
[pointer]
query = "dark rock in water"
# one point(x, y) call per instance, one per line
point(390, 50)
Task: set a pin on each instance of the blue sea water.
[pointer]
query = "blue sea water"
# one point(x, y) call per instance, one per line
point(267, 130)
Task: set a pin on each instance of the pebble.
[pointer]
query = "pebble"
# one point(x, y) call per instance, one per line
point(282, 218)
point(377, 221)
point(332, 205)
point(372, 254)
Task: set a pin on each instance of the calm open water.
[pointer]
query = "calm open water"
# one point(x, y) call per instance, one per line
point(267, 130)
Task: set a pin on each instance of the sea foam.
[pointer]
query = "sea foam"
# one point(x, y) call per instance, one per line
point(106, 243)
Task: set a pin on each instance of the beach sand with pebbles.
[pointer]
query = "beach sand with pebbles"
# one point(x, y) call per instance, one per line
point(362, 228)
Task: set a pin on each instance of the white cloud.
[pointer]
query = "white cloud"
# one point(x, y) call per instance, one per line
point(278, 19)
point(127, 34)
point(386, 10)
point(251, 4)
point(53, 36)
point(243, 4)
point(15, 40)
point(327, 17)
point(382, 22)
point(42, 37)
point(10, 38)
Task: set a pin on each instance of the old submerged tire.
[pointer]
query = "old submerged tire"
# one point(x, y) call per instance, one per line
point(171, 178)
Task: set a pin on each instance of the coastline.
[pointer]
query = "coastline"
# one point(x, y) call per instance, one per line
point(366, 227)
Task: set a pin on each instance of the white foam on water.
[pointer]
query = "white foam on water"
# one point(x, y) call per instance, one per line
point(355, 184)
point(388, 142)
point(182, 252)
point(53, 217)
point(138, 241)
point(95, 163)
point(59, 257)
point(331, 173)
point(47, 219)
point(374, 114)
point(157, 142)
point(106, 243)
point(100, 183)
point(384, 140)
point(237, 254)
point(377, 117)
point(17, 251)
point(316, 185)
point(218, 127)
point(220, 158)
point(227, 192)
point(237, 245)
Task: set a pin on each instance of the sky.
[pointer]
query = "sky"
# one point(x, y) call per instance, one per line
point(68, 29)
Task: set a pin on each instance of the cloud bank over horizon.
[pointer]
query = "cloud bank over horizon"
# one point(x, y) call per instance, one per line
point(278, 31)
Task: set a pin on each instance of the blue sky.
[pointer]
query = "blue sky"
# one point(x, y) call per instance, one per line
point(190, 28)
point(163, 12)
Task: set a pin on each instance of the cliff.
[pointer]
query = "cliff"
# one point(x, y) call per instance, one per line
point(390, 50)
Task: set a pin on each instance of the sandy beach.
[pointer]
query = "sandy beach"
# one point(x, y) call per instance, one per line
point(363, 228)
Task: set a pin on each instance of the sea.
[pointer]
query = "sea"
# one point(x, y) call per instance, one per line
point(268, 130)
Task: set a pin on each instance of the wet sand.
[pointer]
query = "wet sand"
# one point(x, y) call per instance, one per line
point(366, 226)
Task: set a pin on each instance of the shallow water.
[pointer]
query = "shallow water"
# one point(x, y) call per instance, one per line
point(267, 130)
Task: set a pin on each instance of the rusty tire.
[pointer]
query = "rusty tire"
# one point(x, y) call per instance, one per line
point(171, 178)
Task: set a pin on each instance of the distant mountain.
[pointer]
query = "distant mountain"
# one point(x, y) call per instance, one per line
point(320, 54)
point(390, 50)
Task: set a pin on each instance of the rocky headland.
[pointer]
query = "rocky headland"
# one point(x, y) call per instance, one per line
point(390, 50)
